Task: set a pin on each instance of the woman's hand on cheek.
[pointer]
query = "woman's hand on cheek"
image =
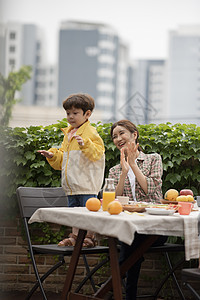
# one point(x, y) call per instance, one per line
point(124, 163)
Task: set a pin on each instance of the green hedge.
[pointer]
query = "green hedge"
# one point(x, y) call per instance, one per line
point(21, 165)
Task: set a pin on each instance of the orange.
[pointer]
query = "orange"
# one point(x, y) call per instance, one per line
point(93, 204)
point(114, 207)
point(171, 195)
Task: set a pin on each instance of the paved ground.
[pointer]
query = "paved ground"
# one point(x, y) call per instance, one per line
point(36, 296)
point(22, 295)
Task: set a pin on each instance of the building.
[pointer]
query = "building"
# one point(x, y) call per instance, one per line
point(20, 49)
point(23, 44)
point(168, 90)
point(93, 59)
point(157, 92)
point(46, 86)
point(146, 102)
point(184, 75)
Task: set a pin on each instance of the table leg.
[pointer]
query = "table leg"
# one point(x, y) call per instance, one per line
point(131, 260)
point(73, 264)
point(115, 270)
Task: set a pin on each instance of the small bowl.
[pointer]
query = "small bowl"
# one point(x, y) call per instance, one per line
point(123, 199)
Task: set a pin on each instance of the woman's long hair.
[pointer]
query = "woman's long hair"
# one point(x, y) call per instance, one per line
point(129, 126)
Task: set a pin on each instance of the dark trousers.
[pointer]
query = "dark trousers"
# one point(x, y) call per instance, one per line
point(132, 275)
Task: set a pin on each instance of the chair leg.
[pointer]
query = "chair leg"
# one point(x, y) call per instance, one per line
point(192, 290)
point(170, 273)
point(90, 274)
point(40, 281)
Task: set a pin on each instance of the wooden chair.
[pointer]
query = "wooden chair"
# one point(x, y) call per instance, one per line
point(29, 200)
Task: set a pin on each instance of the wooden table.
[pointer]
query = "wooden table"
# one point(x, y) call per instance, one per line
point(122, 227)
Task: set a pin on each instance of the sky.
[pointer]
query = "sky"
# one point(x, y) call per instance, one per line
point(143, 25)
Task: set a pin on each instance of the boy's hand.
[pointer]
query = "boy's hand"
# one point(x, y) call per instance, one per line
point(45, 153)
point(79, 140)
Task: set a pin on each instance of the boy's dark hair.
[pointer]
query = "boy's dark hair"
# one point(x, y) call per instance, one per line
point(83, 101)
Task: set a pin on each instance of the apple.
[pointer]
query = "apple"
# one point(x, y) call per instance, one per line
point(186, 192)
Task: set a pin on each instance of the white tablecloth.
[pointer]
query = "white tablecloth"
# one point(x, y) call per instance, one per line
point(124, 226)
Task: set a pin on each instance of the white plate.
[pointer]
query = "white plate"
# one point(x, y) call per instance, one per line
point(160, 211)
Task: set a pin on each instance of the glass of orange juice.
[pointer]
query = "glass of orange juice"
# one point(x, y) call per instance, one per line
point(108, 193)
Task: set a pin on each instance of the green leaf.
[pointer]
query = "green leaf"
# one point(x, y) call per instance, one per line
point(173, 178)
point(30, 155)
point(20, 160)
point(47, 172)
point(37, 164)
point(168, 164)
point(187, 173)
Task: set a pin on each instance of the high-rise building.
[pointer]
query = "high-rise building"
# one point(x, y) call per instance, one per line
point(46, 86)
point(22, 44)
point(2, 49)
point(184, 75)
point(156, 92)
point(20, 49)
point(146, 91)
point(93, 59)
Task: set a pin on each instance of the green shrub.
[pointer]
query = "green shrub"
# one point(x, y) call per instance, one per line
point(21, 165)
point(179, 146)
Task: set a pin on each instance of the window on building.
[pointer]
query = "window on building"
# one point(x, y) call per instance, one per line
point(40, 84)
point(12, 49)
point(105, 94)
point(105, 65)
point(40, 72)
point(106, 37)
point(12, 35)
point(12, 62)
point(37, 59)
point(38, 46)
point(106, 51)
point(40, 97)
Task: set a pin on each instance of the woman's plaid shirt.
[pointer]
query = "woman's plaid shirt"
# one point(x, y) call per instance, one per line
point(151, 167)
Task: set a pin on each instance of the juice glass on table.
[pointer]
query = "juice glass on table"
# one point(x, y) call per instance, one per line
point(108, 193)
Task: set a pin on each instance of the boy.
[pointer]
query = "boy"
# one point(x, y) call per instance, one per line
point(81, 159)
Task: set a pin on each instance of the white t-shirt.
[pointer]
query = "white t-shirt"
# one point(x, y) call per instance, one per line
point(131, 177)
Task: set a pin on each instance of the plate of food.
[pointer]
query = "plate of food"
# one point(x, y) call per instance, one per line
point(160, 211)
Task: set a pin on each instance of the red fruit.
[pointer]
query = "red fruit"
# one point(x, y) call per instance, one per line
point(186, 192)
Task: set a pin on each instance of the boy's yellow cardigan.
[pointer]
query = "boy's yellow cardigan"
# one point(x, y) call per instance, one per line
point(82, 166)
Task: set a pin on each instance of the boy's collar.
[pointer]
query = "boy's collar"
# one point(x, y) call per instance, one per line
point(81, 124)
point(79, 129)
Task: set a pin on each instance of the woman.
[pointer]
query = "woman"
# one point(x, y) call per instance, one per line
point(138, 176)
